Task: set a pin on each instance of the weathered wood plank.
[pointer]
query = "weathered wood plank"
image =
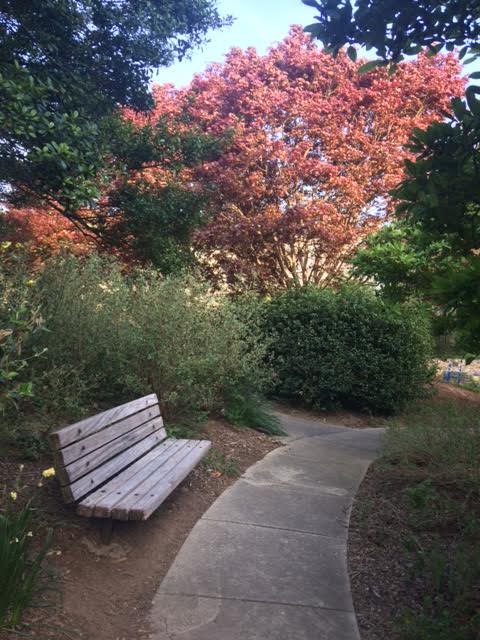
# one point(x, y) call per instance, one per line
point(135, 489)
point(144, 508)
point(106, 506)
point(96, 458)
point(122, 506)
point(67, 435)
point(92, 480)
point(85, 446)
point(125, 481)
point(153, 484)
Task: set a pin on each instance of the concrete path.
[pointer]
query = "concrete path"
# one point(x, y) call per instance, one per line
point(267, 561)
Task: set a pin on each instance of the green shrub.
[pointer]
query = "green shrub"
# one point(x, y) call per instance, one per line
point(127, 334)
point(347, 347)
point(20, 320)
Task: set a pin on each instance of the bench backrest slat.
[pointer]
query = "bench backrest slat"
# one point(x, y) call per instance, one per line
point(63, 437)
point(91, 451)
point(96, 458)
point(81, 448)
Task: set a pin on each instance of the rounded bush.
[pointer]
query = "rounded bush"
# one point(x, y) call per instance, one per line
point(347, 347)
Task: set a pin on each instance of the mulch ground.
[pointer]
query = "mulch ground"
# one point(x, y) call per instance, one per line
point(105, 592)
point(378, 563)
point(385, 584)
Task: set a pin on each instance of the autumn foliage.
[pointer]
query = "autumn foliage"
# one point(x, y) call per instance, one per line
point(310, 149)
point(315, 148)
point(44, 233)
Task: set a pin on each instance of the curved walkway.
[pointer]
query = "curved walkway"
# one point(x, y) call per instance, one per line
point(267, 561)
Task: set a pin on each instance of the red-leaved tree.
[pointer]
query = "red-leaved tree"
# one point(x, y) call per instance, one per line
point(315, 146)
point(44, 233)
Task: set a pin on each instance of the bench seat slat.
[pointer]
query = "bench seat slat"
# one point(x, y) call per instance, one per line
point(67, 435)
point(145, 506)
point(98, 476)
point(120, 510)
point(99, 502)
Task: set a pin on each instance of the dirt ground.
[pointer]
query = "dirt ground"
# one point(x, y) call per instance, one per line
point(379, 562)
point(342, 417)
point(454, 391)
point(104, 592)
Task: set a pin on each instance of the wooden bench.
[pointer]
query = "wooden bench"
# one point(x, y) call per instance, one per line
point(119, 464)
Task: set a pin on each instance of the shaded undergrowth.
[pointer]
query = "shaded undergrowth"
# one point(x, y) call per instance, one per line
point(420, 518)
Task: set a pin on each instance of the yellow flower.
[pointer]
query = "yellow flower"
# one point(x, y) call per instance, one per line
point(48, 473)
point(13, 495)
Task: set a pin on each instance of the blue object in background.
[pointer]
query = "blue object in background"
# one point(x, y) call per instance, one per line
point(447, 374)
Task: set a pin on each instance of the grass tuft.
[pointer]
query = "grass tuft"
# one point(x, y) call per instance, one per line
point(245, 410)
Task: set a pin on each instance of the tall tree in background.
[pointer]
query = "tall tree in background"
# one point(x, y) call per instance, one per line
point(439, 201)
point(65, 68)
point(315, 147)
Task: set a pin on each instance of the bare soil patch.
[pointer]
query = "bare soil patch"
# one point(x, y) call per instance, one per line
point(105, 592)
point(454, 391)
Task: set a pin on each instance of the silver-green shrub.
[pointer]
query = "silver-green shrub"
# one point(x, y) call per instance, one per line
point(131, 333)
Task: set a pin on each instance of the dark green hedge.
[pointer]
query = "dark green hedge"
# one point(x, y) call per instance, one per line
point(347, 347)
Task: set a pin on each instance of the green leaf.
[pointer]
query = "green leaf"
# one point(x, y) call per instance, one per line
point(368, 66)
point(473, 103)
point(315, 29)
point(311, 3)
point(459, 108)
point(352, 53)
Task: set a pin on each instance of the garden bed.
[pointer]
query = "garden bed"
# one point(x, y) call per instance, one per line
point(414, 568)
point(106, 592)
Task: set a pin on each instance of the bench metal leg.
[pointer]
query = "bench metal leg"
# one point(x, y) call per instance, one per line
point(106, 530)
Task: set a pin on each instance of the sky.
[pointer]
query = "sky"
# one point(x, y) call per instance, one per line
point(258, 23)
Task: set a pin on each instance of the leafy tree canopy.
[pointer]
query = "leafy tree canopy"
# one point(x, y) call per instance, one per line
point(147, 209)
point(315, 148)
point(65, 67)
point(395, 29)
point(436, 249)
